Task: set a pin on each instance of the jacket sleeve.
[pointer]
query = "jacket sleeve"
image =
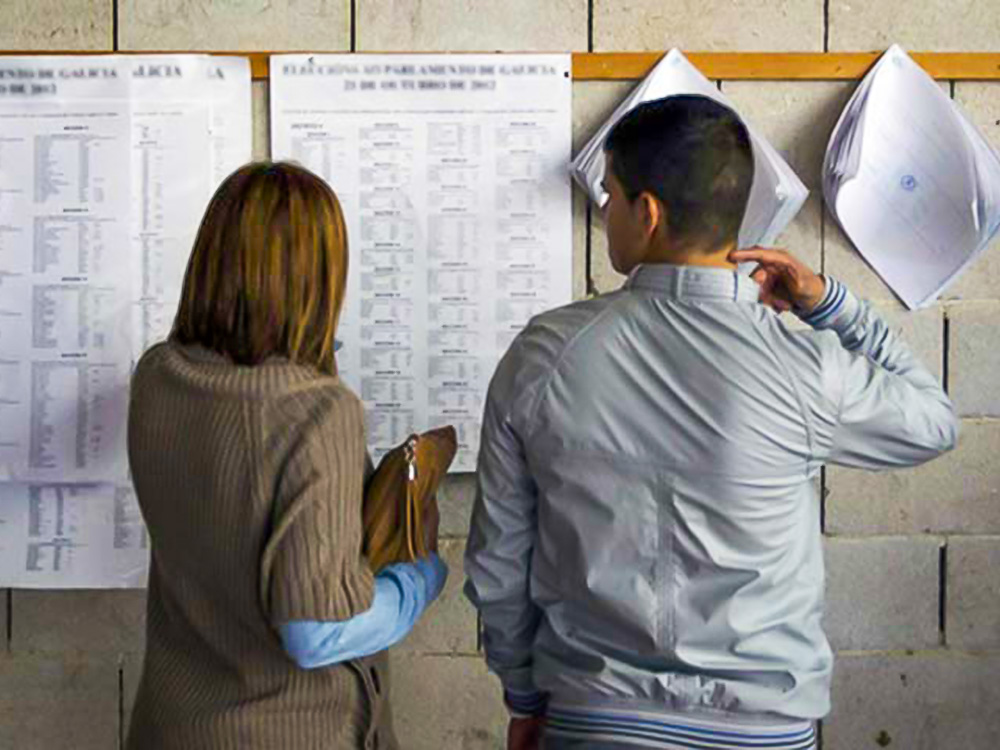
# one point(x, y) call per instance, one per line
point(888, 410)
point(501, 541)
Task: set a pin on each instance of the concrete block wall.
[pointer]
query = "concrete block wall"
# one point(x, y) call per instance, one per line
point(912, 556)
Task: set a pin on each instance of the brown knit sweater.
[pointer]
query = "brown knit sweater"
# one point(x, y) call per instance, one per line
point(250, 480)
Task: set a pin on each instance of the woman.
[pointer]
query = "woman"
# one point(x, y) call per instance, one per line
point(248, 458)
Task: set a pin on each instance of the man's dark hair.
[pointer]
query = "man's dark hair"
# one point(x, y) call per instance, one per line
point(693, 154)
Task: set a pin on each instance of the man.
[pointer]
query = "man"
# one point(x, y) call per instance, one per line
point(645, 547)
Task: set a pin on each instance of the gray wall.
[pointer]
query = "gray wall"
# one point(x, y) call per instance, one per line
point(914, 590)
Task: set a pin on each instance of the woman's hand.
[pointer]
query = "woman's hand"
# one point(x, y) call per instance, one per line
point(785, 281)
point(525, 734)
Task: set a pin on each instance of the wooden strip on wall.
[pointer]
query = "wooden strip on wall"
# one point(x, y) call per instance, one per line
point(733, 66)
point(729, 66)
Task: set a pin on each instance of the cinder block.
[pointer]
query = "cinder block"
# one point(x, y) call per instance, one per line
point(974, 358)
point(446, 703)
point(931, 26)
point(956, 493)
point(472, 25)
point(100, 622)
point(593, 103)
point(455, 498)
point(745, 25)
point(981, 101)
point(842, 261)
point(923, 332)
point(261, 121)
point(882, 593)
point(449, 625)
point(308, 25)
point(57, 24)
point(927, 701)
point(48, 702)
point(796, 118)
point(972, 617)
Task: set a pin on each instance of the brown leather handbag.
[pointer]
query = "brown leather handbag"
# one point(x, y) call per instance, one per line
point(399, 500)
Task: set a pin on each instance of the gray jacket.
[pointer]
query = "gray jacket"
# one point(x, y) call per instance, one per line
point(647, 525)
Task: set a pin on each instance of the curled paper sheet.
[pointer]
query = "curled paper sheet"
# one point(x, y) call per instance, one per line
point(777, 193)
point(911, 181)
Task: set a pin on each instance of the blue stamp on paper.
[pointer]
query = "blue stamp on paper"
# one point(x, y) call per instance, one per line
point(908, 182)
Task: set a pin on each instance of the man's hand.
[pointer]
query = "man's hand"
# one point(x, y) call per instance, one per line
point(525, 734)
point(785, 282)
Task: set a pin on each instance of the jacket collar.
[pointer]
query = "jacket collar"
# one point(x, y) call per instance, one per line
point(693, 282)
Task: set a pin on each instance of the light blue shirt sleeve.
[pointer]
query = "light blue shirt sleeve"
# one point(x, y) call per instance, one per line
point(402, 592)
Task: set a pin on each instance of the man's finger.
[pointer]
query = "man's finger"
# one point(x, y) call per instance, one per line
point(770, 256)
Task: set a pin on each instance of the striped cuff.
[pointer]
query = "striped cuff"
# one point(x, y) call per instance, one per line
point(666, 731)
point(524, 705)
point(833, 302)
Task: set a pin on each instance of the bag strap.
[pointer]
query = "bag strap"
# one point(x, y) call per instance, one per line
point(410, 453)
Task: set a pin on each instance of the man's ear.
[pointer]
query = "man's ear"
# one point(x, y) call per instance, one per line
point(651, 213)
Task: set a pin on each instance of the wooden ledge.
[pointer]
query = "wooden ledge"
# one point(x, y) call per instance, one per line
point(728, 66)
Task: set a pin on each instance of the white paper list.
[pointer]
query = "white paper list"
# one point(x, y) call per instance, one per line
point(452, 173)
point(64, 260)
point(171, 146)
point(71, 536)
point(106, 166)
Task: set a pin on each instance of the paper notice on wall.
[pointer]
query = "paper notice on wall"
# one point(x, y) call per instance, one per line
point(171, 179)
point(911, 180)
point(777, 193)
point(231, 100)
point(71, 536)
point(106, 166)
point(64, 268)
point(452, 173)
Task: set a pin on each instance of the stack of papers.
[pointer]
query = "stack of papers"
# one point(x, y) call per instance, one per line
point(777, 193)
point(911, 181)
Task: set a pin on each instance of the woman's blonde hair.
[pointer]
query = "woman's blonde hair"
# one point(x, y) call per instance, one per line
point(268, 270)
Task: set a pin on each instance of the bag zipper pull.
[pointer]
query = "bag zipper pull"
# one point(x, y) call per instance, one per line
point(410, 452)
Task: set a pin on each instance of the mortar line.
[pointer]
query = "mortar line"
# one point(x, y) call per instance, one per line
point(945, 353)
point(826, 25)
point(354, 25)
point(588, 280)
point(590, 25)
point(122, 729)
point(942, 591)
